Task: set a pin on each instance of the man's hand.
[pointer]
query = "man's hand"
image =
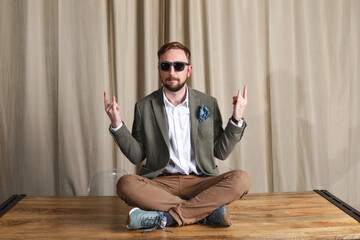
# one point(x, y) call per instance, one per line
point(112, 110)
point(240, 102)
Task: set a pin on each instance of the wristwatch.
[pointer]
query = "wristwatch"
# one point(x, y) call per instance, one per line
point(238, 122)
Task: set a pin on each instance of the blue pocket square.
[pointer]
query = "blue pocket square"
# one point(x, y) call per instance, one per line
point(204, 113)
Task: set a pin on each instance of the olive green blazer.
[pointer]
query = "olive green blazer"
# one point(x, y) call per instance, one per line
point(150, 139)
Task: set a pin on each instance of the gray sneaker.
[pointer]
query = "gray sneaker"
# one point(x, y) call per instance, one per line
point(220, 216)
point(138, 219)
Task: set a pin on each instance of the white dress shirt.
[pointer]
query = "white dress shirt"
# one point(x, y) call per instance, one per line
point(182, 157)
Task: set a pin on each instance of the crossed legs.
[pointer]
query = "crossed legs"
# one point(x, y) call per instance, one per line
point(187, 198)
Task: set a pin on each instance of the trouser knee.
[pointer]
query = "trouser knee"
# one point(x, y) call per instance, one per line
point(241, 182)
point(124, 185)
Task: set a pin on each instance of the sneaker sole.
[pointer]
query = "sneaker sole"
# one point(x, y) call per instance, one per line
point(128, 219)
point(226, 217)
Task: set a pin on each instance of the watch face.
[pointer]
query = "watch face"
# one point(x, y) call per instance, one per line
point(238, 123)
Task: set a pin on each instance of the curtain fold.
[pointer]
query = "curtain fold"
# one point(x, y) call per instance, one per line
point(300, 60)
point(29, 100)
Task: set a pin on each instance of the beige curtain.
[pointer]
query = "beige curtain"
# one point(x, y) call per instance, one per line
point(300, 60)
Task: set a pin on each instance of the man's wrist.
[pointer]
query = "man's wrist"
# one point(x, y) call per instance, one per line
point(114, 129)
point(238, 123)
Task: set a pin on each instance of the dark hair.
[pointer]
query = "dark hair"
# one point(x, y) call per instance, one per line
point(174, 45)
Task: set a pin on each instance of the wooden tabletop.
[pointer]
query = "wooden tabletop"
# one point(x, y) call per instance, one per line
point(300, 215)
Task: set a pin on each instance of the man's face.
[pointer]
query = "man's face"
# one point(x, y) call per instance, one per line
point(173, 80)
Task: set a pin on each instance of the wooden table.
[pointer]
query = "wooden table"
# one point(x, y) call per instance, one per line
point(300, 215)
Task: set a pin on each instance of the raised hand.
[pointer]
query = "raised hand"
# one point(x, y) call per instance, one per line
point(240, 102)
point(112, 110)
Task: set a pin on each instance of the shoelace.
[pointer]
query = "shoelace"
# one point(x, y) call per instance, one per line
point(153, 223)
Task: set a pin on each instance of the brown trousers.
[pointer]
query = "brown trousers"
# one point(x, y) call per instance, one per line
point(187, 198)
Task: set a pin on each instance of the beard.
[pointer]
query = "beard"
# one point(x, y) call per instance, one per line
point(173, 87)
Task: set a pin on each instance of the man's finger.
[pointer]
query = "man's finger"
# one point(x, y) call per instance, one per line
point(114, 103)
point(239, 93)
point(106, 100)
point(245, 92)
point(108, 107)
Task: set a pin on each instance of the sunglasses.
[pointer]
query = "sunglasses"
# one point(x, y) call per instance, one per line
point(178, 66)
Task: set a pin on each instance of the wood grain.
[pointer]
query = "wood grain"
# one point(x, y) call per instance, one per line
point(296, 215)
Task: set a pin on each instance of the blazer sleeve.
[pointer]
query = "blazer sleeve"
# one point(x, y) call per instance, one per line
point(225, 140)
point(131, 144)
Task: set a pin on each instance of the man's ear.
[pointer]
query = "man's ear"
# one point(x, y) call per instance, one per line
point(189, 70)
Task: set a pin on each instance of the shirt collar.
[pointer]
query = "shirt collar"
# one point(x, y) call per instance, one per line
point(184, 103)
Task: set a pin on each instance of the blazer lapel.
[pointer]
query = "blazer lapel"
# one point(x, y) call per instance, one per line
point(160, 115)
point(194, 108)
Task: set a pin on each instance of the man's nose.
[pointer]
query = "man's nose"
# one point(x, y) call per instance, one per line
point(172, 71)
